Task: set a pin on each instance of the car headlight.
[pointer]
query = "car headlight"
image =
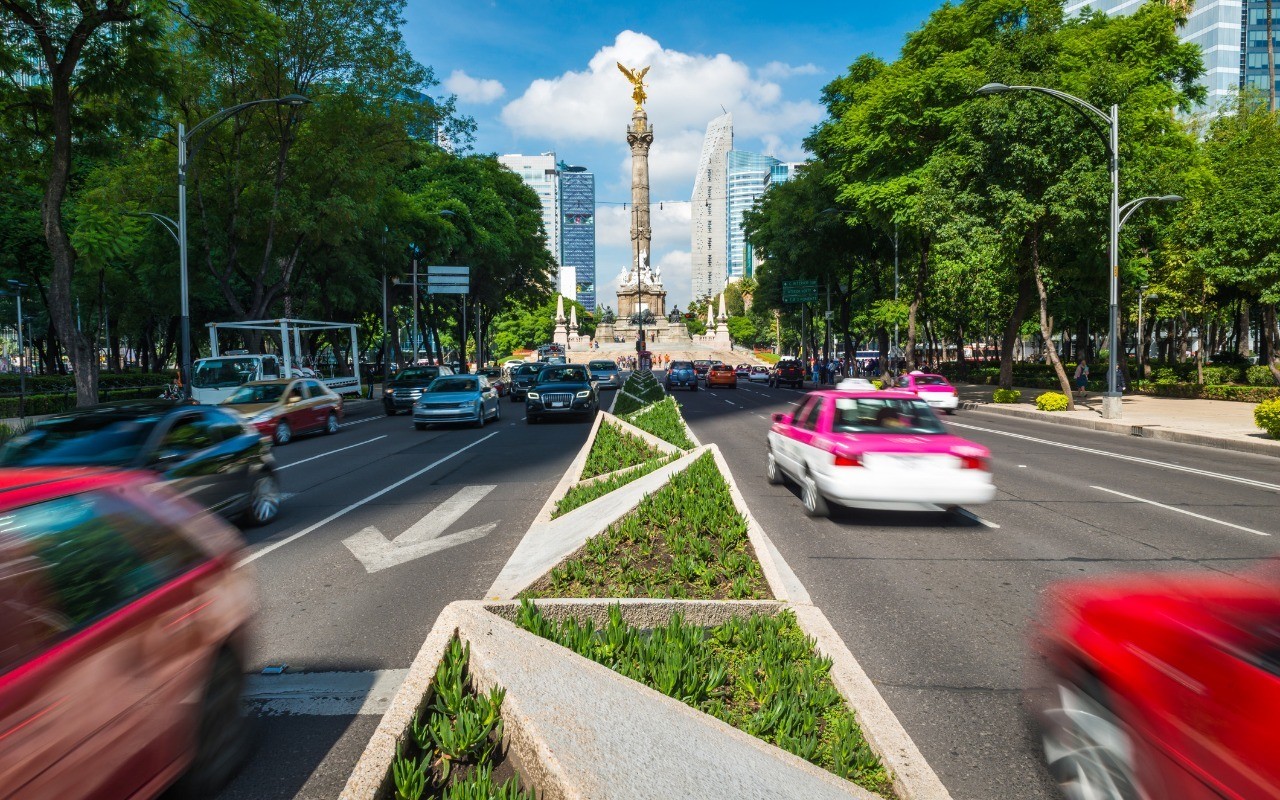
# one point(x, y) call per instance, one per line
point(584, 394)
point(532, 395)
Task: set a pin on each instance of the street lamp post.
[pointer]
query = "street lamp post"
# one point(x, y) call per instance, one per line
point(185, 140)
point(1111, 408)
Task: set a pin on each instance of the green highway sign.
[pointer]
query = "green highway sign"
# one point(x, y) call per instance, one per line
point(799, 291)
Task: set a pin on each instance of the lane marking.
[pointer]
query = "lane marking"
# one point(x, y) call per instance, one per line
point(969, 515)
point(1179, 510)
point(730, 402)
point(331, 452)
point(1150, 462)
point(359, 422)
point(324, 694)
point(249, 559)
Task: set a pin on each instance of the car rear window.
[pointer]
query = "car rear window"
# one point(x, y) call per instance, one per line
point(453, 385)
point(884, 415)
point(66, 563)
point(529, 369)
point(602, 365)
point(682, 365)
point(931, 380)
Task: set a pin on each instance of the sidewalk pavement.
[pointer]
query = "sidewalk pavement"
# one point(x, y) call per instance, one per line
point(1225, 424)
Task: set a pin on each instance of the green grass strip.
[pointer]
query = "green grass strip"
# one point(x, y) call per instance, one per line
point(581, 495)
point(664, 421)
point(614, 449)
point(686, 540)
point(759, 674)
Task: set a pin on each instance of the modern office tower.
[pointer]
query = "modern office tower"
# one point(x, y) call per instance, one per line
point(1254, 72)
point(1215, 25)
point(710, 237)
point(578, 231)
point(542, 174)
point(748, 175)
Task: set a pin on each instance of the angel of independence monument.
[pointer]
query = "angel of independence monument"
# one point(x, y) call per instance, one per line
point(642, 302)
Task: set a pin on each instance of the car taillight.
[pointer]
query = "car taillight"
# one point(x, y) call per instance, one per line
point(972, 462)
point(847, 461)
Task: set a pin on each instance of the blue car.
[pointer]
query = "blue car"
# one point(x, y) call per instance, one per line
point(457, 398)
point(681, 373)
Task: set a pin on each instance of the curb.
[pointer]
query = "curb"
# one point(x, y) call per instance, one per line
point(1260, 447)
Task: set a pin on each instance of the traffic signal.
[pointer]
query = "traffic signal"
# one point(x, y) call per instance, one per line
point(640, 348)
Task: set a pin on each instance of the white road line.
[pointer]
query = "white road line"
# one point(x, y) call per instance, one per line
point(257, 554)
point(331, 452)
point(967, 514)
point(358, 422)
point(762, 416)
point(1151, 462)
point(324, 694)
point(1179, 510)
point(730, 402)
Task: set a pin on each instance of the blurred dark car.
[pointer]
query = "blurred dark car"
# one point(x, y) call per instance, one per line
point(408, 385)
point(497, 380)
point(788, 371)
point(561, 390)
point(700, 368)
point(681, 373)
point(1162, 686)
point(123, 627)
point(524, 376)
point(208, 454)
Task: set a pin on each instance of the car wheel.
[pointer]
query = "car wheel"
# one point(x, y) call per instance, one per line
point(331, 424)
point(284, 434)
point(1087, 749)
point(264, 501)
point(224, 732)
point(772, 472)
point(497, 411)
point(480, 417)
point(950, 411)
point(421, 426)
point(814, 504)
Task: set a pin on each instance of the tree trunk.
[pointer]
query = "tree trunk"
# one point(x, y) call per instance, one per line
point(1013, 327)
point(1046, 329)
point(917, 297)
point(1243, 329)
point(1272, 333)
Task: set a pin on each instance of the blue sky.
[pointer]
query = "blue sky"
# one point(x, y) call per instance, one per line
point(540, 76)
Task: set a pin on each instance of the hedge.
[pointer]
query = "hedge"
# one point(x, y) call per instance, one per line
point(1052, 401)
point(50, 384)
point(1246, 394)
point(1006, 396)
point(37, 404)
point(1259, 375)
point(1267, 415)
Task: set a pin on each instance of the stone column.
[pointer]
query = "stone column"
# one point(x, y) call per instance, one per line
point(640, 138)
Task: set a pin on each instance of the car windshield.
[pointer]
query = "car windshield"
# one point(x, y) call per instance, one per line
point(702, 363)
point(603, 365)
point(260, 393)
point(931, 380)
point(452, 385)
point(223, 373)
point(563, 375)
point(417, 374)
point(529, 369)
point(106, 440)
point(681, 365)
point(759, 369)
point(884, 415)
point(490, 373)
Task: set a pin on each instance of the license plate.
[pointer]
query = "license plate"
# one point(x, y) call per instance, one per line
point(557, 405)
point(896, 461)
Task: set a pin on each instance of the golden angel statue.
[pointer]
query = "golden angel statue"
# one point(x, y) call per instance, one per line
point(637, 81)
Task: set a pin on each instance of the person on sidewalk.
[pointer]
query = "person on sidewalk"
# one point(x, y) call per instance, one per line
point(1082, 376)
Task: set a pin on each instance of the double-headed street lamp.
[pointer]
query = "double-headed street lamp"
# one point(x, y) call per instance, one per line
point(1111, 408)
point(186, 139)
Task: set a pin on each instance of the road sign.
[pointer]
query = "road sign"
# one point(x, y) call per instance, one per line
point(376, 552)
point(448, 280)
point(799, 291)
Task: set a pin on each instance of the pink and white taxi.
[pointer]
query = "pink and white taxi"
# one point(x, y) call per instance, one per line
point(933, 389)
point(880, 450)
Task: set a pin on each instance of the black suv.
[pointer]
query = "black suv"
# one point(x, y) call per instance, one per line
point(788, 371)
point(408, 385)
point(522, 377)
point(561, 390)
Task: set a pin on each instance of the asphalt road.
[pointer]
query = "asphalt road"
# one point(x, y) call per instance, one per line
point(343, 630)
point(936, 606)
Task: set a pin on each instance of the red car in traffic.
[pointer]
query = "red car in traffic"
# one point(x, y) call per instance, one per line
point(1163, 686)
point(122, 639)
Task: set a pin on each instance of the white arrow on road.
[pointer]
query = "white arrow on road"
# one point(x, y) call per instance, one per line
point(424, 537)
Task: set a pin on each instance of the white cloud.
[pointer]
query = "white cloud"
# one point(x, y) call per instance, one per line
point(685, 91)
point(474, 90)
point(776, 70)
point(670, 225)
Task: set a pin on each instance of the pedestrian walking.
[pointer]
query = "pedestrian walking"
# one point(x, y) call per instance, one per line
point(1082, 376)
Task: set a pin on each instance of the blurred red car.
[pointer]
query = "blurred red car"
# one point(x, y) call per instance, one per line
point(122, 639)
point(722, 375)
point(933, 389)
point(1163, 686)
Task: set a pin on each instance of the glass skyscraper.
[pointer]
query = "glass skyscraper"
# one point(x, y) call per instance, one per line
point(748, 175)
point(578, 230)
point(710, 244)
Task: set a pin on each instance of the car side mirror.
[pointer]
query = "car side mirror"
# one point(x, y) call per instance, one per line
point(785, 419)
point(294, 398)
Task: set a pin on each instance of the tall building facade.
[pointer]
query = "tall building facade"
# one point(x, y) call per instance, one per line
point(710, 210)
point(578, 230)
point(542, 174)
point(1253, 44)
point(1215, 25)
point(747, 177)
